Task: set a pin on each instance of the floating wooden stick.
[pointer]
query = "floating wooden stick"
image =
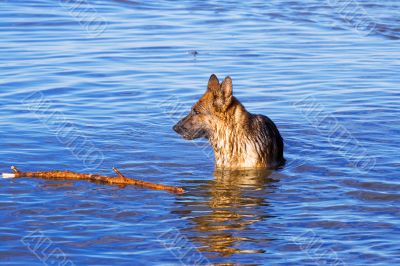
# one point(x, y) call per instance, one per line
point(119, 180)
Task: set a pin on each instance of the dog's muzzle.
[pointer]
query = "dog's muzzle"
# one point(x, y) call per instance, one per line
point(189, 134)
point(177, 129)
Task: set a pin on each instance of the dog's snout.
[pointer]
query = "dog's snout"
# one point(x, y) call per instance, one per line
point(176, 128)
point(180, 126)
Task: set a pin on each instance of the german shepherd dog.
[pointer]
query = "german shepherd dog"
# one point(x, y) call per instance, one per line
point(240, 140)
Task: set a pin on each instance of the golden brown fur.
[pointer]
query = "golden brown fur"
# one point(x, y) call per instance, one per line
point(240, 139)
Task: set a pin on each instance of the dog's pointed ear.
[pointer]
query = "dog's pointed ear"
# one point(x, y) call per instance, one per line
point(226, 87)
point(223, 96)
point(213, 84)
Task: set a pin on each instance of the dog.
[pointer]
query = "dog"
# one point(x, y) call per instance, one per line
point(240, 140)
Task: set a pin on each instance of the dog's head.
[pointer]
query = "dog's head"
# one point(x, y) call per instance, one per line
point(208, 111)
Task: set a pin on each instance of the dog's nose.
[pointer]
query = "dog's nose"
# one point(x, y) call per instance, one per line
point(176, 128)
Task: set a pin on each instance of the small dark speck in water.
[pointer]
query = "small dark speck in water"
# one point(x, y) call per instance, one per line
point(194, 53)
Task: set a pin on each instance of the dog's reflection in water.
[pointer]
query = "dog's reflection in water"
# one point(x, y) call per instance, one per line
point(224, 212)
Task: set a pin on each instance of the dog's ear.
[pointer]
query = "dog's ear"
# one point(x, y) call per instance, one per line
point(226, 87)
point(223, 96)
point(213, 84)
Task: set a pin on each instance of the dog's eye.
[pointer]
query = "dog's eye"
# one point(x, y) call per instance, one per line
point(196, 112)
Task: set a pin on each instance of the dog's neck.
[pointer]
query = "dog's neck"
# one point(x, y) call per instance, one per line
point(231, 141)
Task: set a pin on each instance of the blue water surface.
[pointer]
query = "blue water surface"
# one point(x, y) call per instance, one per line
point(88, 85)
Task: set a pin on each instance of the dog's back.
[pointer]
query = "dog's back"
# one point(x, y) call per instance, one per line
point(265, 133)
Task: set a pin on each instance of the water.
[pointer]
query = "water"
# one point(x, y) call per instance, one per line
point(116, 86)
